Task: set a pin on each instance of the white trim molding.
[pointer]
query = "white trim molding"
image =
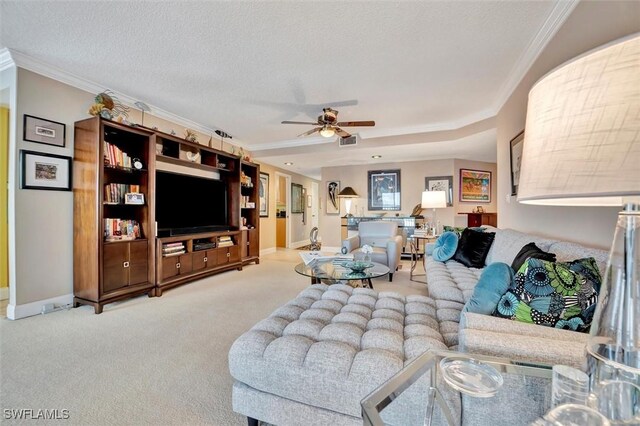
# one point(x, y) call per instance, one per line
point(266, 251)
point(32, 64)
point(6, 61)
point(15, 312)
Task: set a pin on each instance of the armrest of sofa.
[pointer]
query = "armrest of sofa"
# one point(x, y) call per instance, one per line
point(351, 243)
point(483, 334)
point(394, 249)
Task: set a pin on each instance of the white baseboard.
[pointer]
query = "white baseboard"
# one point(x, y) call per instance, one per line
point(4, 293)
point(267, 251)
point(299, 244)
point(15, 312)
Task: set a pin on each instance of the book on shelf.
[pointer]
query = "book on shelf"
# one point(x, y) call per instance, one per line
point(225, 244)
point(176, 253)
point(168, 245)
point(172, 249)
point(224, 238)
point(114, 193)
point(121, 229)
point(114, 156)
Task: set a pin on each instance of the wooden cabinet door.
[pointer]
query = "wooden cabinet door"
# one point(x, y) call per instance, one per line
point(186, 263)
point(254, 243)
point(138, 262)
point(244, 244)
point(199, 260)
point(170, 267)
point(115, 272)
point(234, 253)
point(222, 257)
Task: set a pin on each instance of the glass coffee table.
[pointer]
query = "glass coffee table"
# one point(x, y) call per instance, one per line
point(478, 390)
point(335, 272)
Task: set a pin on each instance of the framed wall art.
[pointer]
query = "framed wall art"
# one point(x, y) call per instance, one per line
point(333, 202)
point(45, 171)
point(475, 185)
point(263, 194)
point(440, 183)
point(39, 130)
point(297, 198)
point(515, 148)
point(384, 189)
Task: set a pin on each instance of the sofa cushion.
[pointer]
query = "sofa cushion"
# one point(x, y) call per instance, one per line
point(445, 246)
point(493, 284)
point(553, 294)
point(531, 250)
point(473, 248)
point(508, 243)
point(333, 345)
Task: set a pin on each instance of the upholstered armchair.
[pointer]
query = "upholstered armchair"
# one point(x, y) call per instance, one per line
point(383, 237)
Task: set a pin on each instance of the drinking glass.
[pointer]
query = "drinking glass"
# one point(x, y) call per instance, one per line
point(618, 401)
point(569, 386)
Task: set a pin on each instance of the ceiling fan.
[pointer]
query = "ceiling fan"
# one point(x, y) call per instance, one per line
point(328, 124)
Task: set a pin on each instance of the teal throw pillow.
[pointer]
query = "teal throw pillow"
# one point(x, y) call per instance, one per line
point(553, 294)
point(445, 247)
point(493, 284)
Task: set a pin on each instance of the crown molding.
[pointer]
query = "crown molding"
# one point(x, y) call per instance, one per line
point(6, 61)
point(40, 67)
point(556, 18)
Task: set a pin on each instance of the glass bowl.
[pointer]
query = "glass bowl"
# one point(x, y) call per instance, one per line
point(358, 266)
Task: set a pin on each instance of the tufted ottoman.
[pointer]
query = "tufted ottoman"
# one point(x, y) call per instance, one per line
point(314, 359)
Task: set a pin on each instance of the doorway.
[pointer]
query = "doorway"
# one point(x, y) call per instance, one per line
point(283, 203)
point(4, 200)
point(314, 204)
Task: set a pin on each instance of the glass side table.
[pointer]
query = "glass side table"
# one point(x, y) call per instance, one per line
point(417, 244)
point(419, 395)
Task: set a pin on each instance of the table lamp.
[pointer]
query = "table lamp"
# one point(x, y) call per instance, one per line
point(348, 194)
point(434, 200)
point(582, 148)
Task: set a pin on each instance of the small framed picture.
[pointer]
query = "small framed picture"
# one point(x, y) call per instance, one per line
point(45, 171)
point(48, 132)
point(515, 146)
point(134, 198)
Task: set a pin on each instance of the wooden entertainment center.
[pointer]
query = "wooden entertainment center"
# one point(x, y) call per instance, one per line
point(117, 253)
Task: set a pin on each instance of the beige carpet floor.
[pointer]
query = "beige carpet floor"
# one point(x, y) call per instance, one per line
point(149, 361)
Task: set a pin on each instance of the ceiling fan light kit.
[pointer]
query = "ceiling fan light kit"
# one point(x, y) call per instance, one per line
point(328, 125)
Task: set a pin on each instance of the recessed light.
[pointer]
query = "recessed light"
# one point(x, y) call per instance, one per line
point(376, 156)
point(288, 163)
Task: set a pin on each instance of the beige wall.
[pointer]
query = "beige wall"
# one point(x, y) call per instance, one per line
point(590, 25)
point(299, 231)
point(412, 184)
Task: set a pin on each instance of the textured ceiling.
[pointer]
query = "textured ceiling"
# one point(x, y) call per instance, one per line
point(245, 66)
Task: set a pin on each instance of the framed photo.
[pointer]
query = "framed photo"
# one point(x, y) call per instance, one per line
point(440, 183)
point(134, 198)
point(516, 146)
point(333, 202)
point(384, 189)
point(43, 131)
point(45, 171)
point(297, 198)
point(263, 194)
point(475, 185)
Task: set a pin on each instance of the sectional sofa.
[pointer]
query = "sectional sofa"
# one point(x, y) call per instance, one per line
point(314, 359)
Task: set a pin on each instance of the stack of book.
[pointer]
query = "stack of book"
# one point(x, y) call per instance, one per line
point(114, 156)
point(225, 241)
point(173, 249)
point(114, 192)
point(121, 229)
point(422, 233)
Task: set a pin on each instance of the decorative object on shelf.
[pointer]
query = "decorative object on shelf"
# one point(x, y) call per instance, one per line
point(39, 130)
point(594, 162)
point(137, 164)
point(475, 185)
point(222, 135)
point(384, 189)
point(172, 132)
point(348, 194)
point(515, 148)
point(45, 171)
point(478, 209)
point(190, 135)
point(434, 200)
point(417, 211)
point(143, 108)
point(134, 198)
point(333, 189)
point(366, 250)
point(440, 183)
point(194, 156)
point(263, 194)
point(297, 200)
point(108, 106)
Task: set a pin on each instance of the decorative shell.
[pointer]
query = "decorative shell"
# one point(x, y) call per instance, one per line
point(190, 135)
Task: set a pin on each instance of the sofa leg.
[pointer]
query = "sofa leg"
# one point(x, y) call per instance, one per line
point(390, 277)
point(253, 422)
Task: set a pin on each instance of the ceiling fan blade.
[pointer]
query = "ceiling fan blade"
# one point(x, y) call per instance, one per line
point(317, 129)
point(356, 123)
point(342, 133)
point(300, 122)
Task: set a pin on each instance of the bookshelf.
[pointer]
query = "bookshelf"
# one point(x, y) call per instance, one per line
point(249, 211)
point(113, 215)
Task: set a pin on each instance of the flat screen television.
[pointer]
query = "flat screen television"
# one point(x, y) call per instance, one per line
point(189, 204)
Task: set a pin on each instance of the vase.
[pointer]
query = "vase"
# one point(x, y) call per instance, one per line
point(367, 258)
point(613, 346)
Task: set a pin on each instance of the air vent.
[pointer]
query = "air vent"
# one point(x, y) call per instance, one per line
point(351, 140)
